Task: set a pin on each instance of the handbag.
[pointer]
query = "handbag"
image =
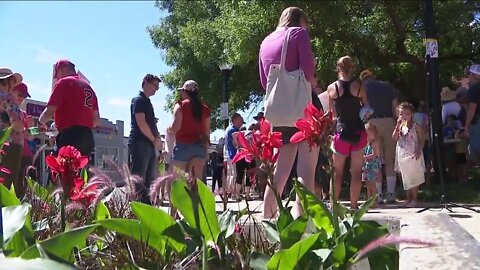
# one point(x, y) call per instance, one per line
point(288, 93)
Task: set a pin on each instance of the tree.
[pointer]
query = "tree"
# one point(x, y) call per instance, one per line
point(384, 36)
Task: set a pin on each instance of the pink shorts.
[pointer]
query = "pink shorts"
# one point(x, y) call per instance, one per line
point(346, 148)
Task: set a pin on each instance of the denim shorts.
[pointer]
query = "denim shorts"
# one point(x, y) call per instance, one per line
point(187, 151)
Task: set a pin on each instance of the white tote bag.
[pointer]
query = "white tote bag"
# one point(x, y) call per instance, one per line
point(288, 93)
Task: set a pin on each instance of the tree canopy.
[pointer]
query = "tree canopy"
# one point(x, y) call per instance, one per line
point(385, 36)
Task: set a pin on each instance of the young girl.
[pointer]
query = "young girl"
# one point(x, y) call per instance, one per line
point(409, 161)
point(372, 166)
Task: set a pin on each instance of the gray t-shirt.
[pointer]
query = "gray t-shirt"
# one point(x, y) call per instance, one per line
point(380, 97)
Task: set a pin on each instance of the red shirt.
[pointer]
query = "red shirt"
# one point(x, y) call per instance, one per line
point(75, 102)
point(191, 129)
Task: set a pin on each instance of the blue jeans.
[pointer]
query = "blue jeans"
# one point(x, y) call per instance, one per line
point(143, 162)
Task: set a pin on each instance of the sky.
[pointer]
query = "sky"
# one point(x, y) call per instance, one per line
point(107, 41)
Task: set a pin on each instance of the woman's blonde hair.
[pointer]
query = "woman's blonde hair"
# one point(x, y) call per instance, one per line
point(345, 65)
point(291, 17)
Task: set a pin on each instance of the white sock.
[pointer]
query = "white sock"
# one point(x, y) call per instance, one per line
point(391, 182)
point(379, 188)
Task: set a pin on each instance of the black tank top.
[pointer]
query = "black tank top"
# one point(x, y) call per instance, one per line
point(347, 108)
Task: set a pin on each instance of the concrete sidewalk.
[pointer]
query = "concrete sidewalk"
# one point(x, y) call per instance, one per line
point(466, 219)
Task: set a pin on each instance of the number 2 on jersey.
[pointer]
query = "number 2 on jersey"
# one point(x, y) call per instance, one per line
point(88, 97)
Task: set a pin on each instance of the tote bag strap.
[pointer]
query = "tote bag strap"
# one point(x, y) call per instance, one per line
point(284, 49)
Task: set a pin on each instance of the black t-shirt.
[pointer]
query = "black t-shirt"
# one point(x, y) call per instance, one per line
point(474, 97)
point(142, 104)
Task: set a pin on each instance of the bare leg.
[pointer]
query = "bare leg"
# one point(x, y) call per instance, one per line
point(306, 165)
point(356, 182)
point(284, 164)
point(338, 164)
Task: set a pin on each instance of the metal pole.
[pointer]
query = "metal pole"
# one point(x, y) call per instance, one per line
point(434, 95)
point(226, 75)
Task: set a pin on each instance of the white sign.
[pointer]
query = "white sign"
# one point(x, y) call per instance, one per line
point(224, 111)
point(432, 47)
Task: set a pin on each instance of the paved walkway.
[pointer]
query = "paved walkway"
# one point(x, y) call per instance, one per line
point(467, 219)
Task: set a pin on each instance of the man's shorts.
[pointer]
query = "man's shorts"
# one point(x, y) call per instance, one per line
point(79, 137)
point(345, 148)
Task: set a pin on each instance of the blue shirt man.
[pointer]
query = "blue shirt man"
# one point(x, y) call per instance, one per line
point(237, 122)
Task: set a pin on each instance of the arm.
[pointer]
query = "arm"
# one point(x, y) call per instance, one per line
point(177, 119)
point(396, 131)
point(472, 108)
point(421, 141)
point(142, 124)
point(305, 56)
point(376, 152)
point(363, 95)
point(263, 76)
point(47, 114)
point(330, 103)
point(235, 138)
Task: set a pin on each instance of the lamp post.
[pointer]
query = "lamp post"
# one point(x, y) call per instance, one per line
point(226, 70)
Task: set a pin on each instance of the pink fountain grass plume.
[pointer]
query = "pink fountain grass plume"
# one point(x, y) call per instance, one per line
point(158, 184)
point(391, 239)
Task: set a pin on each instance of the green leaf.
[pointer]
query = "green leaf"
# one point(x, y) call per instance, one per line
point(38, 189)
point(339, 253)
point(136, 230)
point(360, 212)
point(315, 208)
point(284, 219)
point(14, 218)
point(227, 223)
point(289, 258)
point(272, 234)
point(35, 264)
point(258, 261)
point(7, 198)
point(102, 212)
point(62, 245)
point(202, 203)
point(293, 233)
point(160, 223)
point(5, 135)
point(84, 174)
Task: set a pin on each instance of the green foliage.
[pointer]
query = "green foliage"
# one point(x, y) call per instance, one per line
point(35, 264)
point(198, 208)
point(384, 36)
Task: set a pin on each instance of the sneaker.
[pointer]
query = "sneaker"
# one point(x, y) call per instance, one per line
point(380, 199)
point(391, 198)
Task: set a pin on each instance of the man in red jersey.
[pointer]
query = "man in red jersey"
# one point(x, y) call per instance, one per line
point(74, 107)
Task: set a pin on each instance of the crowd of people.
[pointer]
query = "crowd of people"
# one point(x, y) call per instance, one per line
point(377, 136)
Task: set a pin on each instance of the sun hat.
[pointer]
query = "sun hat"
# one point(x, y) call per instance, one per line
point(6, 73)
point(189, 85)
point(260, 115)
point(475, 69)
point(22, 89)
point(447, 94)
point(365, 74)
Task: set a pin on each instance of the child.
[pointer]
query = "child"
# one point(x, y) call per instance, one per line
point(372, 167)
point(409, 161)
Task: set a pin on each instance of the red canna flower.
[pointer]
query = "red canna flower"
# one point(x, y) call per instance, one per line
point(5, 170)
point(67, 166)
point(312, 127)
point(262, 144)
point(83, 194)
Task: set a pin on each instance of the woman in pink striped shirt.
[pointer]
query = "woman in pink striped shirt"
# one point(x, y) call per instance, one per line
point(299, 56)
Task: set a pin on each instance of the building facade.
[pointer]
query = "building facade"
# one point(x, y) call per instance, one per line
point(109, 140)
